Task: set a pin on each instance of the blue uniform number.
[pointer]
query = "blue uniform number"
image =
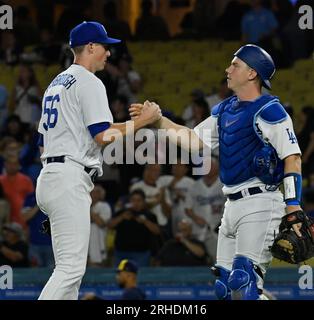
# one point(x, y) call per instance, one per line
point(51, 111)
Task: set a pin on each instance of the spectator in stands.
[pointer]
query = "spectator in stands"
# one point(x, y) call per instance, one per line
point(149, 26)
point(188, 27)
point(283, 11)
point(204, 18)
point(184, 250)
point(196, 94)
point(206, 202)
point(24, 28)
point(229, 23)
point(73, 14)
point(116, 28)
point(179, 186)
point(10, 50)
point(8, 148)
point(13, 250)
point(298, 42)
point(136, 229)
point(30, 156)
point(27, 96)
point(41, 254)
point(127, 279)
point(4, 211)
point(14, 128)
point(157, 199)
point(306, 139)
point(119, 108)
point(47, 51)
point(16, 187)
point(100, 215)
point(129, 80)
point(200, 112)
point(223, 93)
point(258, 23)
point(3, 106)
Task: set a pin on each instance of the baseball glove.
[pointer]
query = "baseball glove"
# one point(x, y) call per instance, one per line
point(287, 245)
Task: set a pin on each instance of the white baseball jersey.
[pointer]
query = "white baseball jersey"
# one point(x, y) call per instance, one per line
point(74, 100)
point(279, 135)
point(207, 202)
point(184, 186)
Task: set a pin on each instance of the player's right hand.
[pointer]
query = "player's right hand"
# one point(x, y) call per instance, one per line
point(150, 112)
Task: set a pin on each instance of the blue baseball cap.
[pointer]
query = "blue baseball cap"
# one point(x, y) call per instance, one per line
point(127, 265)
point(259, 60)
point(90, 31)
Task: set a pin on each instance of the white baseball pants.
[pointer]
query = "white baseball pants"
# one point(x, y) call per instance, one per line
point(63, 193)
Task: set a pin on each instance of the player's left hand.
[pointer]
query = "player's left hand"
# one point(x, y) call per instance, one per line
point(135, 110)
point(288, 245)
point(291, 217)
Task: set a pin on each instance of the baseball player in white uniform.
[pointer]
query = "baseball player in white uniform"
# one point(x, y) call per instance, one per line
point(76, 122)
point(257, 151)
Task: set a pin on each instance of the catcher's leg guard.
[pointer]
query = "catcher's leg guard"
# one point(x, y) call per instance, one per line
point(222, 290)
point(243, 279)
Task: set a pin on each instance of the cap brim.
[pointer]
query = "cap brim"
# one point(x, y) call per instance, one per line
point(111, 41)
point(266, 84)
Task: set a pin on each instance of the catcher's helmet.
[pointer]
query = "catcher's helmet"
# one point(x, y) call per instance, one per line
point(259, 60)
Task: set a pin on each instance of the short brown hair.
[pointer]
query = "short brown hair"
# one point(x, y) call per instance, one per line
point(78, 49)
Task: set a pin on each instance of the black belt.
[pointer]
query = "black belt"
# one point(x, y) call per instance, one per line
point(61, 159)
point(239, 195)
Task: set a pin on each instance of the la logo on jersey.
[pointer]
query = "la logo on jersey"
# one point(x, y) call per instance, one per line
point(291, 136)
point(6, 277)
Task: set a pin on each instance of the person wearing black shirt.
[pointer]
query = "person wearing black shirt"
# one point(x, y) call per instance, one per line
point(135, 228)
point(183, 250)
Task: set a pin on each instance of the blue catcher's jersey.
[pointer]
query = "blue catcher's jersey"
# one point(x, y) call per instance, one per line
point(238, 137)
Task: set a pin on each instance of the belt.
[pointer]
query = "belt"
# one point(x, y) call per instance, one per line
point(61, 159)
point(244, 193)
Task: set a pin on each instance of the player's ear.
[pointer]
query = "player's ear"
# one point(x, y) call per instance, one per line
point(90, 47)
point(252, 74)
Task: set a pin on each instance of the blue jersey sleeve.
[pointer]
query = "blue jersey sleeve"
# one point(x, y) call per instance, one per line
point(96, 128)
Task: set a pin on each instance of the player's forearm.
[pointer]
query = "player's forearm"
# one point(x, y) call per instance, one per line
point(194, 248)
point(152, 227)
point(165, 208)
point(197, 219)
point(98, 220)
point(113, 222)
point(180, 135)
point(119, 130)
point(292, 165)
point(10, 254)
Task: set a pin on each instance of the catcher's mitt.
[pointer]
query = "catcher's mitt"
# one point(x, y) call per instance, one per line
point(288, 246)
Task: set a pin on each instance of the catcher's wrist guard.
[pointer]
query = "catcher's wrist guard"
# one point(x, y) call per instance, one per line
point(287, 245)
point(292, 183)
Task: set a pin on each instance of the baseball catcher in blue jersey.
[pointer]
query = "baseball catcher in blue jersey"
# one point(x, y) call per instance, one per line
point(258, 151)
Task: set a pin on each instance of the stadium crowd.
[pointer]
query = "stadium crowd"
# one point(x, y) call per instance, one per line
point(159, 215)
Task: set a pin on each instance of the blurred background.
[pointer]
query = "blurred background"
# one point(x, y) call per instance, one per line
point(173, 52)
